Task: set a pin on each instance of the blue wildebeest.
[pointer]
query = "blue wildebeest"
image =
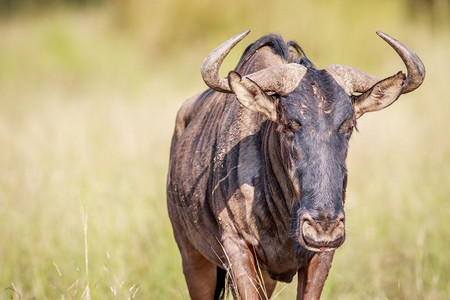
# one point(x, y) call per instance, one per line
point(257, 174)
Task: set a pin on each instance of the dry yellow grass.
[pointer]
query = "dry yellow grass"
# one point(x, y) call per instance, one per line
point(87, 106)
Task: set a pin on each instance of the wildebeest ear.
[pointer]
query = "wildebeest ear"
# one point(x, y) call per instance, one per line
point(381, 95)
point(251, 95)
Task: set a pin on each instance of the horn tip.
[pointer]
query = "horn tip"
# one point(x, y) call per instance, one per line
point(383, 35)
point(243, 34)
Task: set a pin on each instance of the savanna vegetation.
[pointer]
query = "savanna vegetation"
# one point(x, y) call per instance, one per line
point(88, 97)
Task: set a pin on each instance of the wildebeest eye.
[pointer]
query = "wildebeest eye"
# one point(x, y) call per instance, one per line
point(294, 125)
point(347, 127)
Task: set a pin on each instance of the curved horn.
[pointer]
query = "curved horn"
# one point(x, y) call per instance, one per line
point(211, 64)
point(280, 78)
point(414, 66)
point(354, 80)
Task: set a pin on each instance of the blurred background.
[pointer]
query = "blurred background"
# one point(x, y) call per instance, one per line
point(89, 91)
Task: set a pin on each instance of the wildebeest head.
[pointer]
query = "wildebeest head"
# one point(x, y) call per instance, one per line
point(315, 112)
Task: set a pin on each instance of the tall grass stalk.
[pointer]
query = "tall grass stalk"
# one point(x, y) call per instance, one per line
point(87, 292)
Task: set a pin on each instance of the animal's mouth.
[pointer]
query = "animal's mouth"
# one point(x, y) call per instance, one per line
point(314, 247)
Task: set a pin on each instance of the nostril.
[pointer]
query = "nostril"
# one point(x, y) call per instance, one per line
point(306, 218)
point(341, 217)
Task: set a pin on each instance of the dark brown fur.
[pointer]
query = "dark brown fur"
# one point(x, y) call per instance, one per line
point(260, 194)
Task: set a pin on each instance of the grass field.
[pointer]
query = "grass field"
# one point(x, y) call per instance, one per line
point(88, 98)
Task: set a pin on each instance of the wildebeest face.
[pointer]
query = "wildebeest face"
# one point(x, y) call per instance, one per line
point(315, 122)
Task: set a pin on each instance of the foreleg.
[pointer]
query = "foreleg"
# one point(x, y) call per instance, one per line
point(311, 279)
point(245, 279)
